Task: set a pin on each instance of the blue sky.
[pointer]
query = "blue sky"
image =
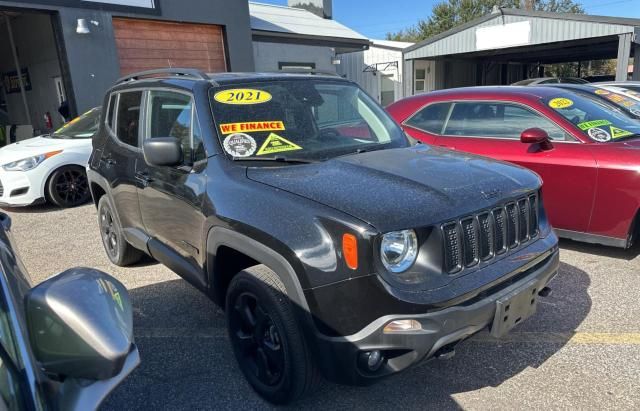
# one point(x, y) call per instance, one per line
point(374, 18)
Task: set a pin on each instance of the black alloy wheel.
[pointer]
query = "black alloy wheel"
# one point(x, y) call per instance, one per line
point(258, 338)
point(108, 232)
point(69, 187)
point(266, 338)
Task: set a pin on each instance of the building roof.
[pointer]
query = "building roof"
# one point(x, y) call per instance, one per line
point(546, 27)
point(398, 45)
point(269, 20)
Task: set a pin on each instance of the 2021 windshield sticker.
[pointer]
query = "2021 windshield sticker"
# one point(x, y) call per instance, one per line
point(594, 123)
point(276, 144)
point(240, 145)
point(599, 134)
point(242, 96)
point(230, 128)
point(560, 103)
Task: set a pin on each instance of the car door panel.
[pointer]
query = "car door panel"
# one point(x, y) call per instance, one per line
point(171, 196)
point(118, 163)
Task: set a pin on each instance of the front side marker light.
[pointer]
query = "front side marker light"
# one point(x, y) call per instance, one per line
point(399, 326)
point(350, 250)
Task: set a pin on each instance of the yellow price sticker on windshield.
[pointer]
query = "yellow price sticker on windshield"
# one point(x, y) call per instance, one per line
point(560, 102)
point(242, 96)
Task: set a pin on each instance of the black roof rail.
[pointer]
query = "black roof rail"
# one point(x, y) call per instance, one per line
point(178, 72)
point(308, 71)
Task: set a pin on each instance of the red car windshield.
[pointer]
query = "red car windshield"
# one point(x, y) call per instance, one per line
point(596, 118)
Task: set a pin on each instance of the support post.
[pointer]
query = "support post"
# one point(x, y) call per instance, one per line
point(636, 62)
point(16, 61)
point(624, 51)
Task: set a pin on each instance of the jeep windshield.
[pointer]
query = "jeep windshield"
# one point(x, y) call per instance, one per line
point(300, 120)
point(595, 117)
point(84, 126)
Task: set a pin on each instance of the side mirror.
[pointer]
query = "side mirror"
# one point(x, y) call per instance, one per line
point(80, 324)
point(162, 151)
point(536, 136)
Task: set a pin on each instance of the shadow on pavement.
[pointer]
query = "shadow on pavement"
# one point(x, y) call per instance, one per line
point(35, 209)
point(187, 362)
point(602, 250)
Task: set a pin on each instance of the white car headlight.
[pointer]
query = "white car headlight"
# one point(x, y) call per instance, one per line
point(398, 250)
point(29, 163)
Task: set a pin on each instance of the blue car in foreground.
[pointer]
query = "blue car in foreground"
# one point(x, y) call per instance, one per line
point(64, 344)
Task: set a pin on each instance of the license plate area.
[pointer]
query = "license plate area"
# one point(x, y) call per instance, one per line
point(514, 308)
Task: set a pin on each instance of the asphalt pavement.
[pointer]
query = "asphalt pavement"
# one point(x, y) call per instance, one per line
point(581, 350)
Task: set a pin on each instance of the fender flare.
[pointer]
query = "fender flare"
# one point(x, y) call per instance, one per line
point(220, 236)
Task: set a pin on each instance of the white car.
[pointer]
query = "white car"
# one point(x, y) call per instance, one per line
point(50, 167)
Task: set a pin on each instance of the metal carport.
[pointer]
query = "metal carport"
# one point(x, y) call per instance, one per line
point(508, 44)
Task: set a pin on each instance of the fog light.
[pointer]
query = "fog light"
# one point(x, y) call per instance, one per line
point(402, 326)
point(371, 360)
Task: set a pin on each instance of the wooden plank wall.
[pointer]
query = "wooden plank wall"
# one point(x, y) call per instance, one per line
point(150, 44)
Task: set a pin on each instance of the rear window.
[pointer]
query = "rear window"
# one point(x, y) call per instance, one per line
point(301, 118)
point(594, 116)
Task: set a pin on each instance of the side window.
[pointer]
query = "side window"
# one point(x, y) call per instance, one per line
point(431, 118)
point(10, 392)
point(170, 115)
point(112, 109)
point(128, 118)
point(501, 120)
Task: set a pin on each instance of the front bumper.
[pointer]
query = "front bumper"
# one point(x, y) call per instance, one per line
point(21, 188)
point(441, 330)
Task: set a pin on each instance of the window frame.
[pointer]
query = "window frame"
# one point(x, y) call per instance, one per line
point(194, 117)
point(515, 103)
point(113, 133)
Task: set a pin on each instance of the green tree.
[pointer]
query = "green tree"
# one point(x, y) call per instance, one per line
point(451, 13)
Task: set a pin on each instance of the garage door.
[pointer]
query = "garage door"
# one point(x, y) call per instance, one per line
point(149, 44)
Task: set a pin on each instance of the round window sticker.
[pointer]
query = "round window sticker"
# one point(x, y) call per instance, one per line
point(599, 134)
point(602, 92)
point(240, 145)
point(560, 102)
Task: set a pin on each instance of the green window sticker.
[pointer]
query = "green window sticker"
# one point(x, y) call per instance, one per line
point(595, 123)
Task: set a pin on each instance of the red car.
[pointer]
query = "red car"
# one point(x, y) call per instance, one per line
point(586, 150)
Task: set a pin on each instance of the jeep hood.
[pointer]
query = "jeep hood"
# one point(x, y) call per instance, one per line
point(403, 188)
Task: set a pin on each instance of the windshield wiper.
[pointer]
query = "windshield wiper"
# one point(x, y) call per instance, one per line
point(278, 159)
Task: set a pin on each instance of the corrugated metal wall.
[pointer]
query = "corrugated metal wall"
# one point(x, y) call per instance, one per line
point(352, 67)
point(543, 30)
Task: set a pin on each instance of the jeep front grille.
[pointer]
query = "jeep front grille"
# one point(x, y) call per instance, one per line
point(485, 235)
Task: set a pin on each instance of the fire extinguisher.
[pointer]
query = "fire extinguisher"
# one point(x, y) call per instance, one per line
point(48, 121)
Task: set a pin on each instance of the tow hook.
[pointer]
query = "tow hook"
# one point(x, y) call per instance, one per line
point(545, 292)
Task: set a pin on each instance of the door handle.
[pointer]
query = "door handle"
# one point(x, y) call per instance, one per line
point(144, 178)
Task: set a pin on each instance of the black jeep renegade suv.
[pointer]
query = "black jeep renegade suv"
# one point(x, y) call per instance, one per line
point(335, 244)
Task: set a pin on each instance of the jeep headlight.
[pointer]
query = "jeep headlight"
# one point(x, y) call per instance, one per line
point(398, 250)
point(29, 163)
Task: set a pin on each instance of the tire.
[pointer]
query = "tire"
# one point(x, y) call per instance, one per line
point(266, 338)
point(119, 251)
point(68, 187)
